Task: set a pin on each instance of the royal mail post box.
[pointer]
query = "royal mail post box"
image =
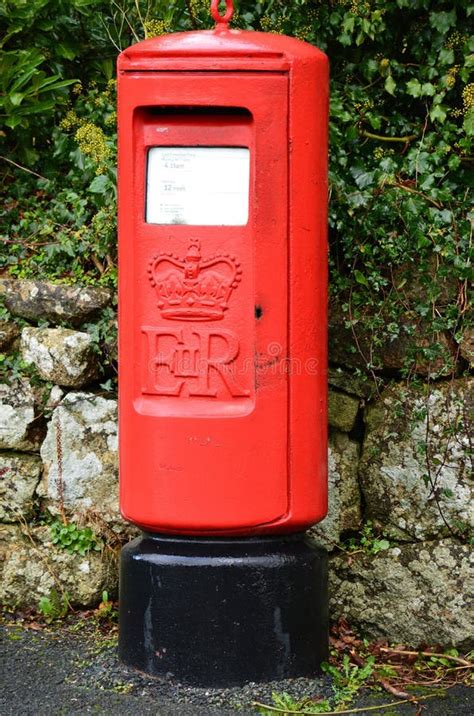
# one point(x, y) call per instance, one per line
point(222, 385)
point(222, 246)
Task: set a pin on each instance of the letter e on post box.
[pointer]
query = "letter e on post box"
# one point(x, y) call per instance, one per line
point(223, 281)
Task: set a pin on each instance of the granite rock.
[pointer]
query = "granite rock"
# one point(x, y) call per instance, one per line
point(33, 567)
point(19, 429)
point(416, 467)
point(344, 501)
point(80, 457)
point(359, 385)
point(466, 346)
point(343, 411)
point(9, 332)
point(60, 355)
point(19, 476)
point(40, 300)
point(414, 594)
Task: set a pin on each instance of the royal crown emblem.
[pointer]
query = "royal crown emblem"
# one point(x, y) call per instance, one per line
point(191, 288)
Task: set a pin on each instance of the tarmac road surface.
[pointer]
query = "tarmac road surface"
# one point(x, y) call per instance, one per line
point(59, 672)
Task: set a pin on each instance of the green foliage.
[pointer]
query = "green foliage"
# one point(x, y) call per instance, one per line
point(106, 610)
point(13, 367)
point(358, 664)
point(54, 607)
point(401, 150)
point(346, 679)
point(103, 333)
point(442, 659)
point(40, 40)
point(283, 703)
point(399, 161)
point(64, 227)
point(74, 539)
point(402, 121)
point(25, 89)
point(367, 541)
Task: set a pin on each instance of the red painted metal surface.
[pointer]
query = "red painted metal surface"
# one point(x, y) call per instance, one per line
point(223, 328)
point(227, 16)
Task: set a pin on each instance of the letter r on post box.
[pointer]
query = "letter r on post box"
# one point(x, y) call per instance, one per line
point(193, 357)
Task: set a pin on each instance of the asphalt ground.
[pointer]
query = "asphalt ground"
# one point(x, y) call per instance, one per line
point(75, 671)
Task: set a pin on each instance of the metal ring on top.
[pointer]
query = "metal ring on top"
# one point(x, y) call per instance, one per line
point(227, 17)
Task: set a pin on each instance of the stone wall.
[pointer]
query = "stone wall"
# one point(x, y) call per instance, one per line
point(58, 447)
point(399, 506)
point(409, 477)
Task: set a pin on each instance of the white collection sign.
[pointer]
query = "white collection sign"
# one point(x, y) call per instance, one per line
point(201, 186)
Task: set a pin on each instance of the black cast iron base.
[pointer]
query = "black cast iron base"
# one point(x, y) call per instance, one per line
point(223, 611)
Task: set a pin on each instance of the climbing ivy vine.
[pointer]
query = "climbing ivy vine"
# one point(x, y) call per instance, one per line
point(402, 121)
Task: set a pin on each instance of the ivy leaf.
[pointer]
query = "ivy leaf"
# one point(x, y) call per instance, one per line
point(414, 88)
point(454, 162)
point(442, 21)
point(468, 124)
point(446, 56)
point(438, 113)
point(469, 61)
point(348, 23)
point(428, 89)
point(375, 120)
point(99, 185)
point(362, 178)
point(360, 278)
point(390, 85)
point(345, 39)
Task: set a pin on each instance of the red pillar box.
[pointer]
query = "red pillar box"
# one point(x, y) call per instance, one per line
point(222, 243)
